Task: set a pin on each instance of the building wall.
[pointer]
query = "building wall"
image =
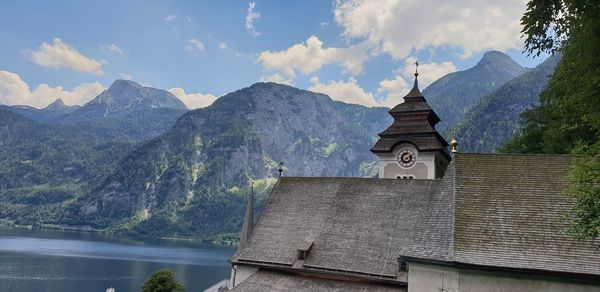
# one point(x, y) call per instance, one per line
point(424, 167)
point(432, 278)
point(423, 277)
point(240, 273)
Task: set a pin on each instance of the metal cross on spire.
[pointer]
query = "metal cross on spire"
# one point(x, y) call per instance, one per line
point(417, 68)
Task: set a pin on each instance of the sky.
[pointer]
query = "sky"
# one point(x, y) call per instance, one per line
point(356, 51)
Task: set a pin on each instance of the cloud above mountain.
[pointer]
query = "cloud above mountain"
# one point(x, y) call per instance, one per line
point(399, 27)
point(346, 91)
point(311, 56)
point(390, 91)
point(193, 100)
point(59, 55)
point(15, 91)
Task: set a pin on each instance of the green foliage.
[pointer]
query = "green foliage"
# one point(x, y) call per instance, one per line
point(191, 182)
point(329, 149)
point(162, 281)
point(568, 117)
point(585, 172)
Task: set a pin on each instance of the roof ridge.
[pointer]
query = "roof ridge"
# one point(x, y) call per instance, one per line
point(453, 208)
point(511, 154)
point(357, 178)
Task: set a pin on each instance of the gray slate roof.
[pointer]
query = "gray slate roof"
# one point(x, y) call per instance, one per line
point(505, 211)
point(430, 143)
point(357, 225)
point(275, 281)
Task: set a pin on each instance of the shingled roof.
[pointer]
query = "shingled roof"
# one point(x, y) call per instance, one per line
point(356, 225)
point(506, 211)
point(277, 281)
point(414, 122)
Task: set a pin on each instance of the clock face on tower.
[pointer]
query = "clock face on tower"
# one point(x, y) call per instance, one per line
point(406, 158)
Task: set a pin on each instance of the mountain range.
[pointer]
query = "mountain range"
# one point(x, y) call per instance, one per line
point(135, 160)
point(125, 111)
point(495, 118)
point(210, 156)
point(454, 94)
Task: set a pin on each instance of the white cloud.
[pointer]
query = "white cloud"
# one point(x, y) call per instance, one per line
point(400, 26)
point(126, 76)
point(170, 18)
point(428, 72)
point(250, 17)
point(348, 92)
point(310, 57)
point(195, 45)
point(15, 91)
point(113, 49)
point(62, 55)
point(394, 90)
point(193, 100)
point(222, 45)
point(277, 78)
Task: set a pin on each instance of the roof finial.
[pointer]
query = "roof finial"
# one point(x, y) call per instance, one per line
point(415, 92)
point(417, 68)
point(454, 145)
point(280, 168)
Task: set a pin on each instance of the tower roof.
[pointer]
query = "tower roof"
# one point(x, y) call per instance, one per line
point(414, 122)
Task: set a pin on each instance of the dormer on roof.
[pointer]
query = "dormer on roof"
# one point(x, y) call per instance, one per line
point(411, 147)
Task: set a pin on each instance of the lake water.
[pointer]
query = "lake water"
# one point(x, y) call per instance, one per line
point(33, 260)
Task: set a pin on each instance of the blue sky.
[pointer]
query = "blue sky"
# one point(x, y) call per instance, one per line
point(357, 51)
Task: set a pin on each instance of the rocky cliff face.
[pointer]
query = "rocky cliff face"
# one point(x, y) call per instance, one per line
point(496, 118)
point(454, 94)
point(125, 96)
point(127, 111)
point(196, 170)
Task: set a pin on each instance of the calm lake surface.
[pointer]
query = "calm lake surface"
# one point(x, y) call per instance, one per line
point(34, 260)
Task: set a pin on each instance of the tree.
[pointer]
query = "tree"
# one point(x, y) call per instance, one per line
point(162, 281)
point(568, 117)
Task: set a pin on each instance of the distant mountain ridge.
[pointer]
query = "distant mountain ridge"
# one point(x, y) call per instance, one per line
point(132, 160)
point(452, 95)
point(124, 97)
point(59, 105)
point(47, 114)
point(496, 117)
point(213, 153)
point(125, 111)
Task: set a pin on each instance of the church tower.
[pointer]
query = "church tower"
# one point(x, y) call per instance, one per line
point(411, 147)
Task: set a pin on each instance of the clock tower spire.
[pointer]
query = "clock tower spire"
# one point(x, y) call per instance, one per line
point(411, 147)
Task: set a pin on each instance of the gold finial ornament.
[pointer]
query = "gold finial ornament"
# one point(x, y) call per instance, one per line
point(454, 145)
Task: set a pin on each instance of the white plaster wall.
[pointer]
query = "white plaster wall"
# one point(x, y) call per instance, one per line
point(494, 282)
point(422, 277)
point(426, 159)
point(241, 273)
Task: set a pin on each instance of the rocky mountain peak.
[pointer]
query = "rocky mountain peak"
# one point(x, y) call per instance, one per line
point(56, 105)
point(120, 86)
point(499, 61)
point(127, 95)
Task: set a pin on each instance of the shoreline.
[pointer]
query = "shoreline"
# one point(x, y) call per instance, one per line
point(88, 229)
